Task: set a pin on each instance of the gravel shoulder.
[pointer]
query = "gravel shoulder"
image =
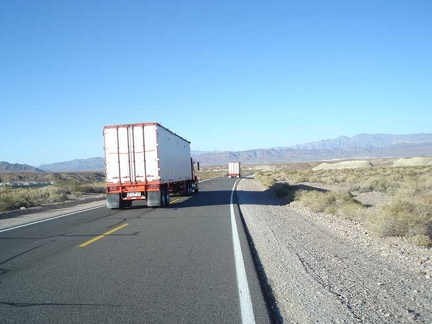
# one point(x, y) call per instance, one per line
point(323, 269)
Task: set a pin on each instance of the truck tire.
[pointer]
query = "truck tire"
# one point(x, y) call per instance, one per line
point(163, 201)
point(168, 199)
point(165, 197)
point(122, 204)
point(189, 188)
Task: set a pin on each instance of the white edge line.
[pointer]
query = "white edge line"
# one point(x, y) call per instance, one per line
point(47, 219)
point(246, 309)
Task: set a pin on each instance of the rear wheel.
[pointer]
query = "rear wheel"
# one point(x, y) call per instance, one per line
point(122, 204)
point(165, 197)
point(189, 188)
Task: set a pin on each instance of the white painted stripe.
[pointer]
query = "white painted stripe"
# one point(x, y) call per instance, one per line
point(46, 219)
point(246, 309)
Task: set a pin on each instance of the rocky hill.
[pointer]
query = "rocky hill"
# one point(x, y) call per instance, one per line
point(15, 167)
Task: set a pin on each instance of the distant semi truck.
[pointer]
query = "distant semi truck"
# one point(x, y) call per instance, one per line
point(146, 161)
point(234, 170)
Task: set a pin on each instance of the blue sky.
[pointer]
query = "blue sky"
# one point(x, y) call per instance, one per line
point(226, 75)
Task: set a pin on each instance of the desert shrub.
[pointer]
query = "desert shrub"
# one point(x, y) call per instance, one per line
point(354, 211)
point(411, 188)
point(11, 199)
point(380, 184)
point(329, 202)
point(405, 217)
point(426, 179)
point(7, 200)
point(94, 187)
point(210, 174)
point(408, 213)
point(301, 177)
point(77, 187)
point(49, 188)
point(267, 179)
point(310, 199)
point(55, 195)
point(77, 194)
point(421, 240)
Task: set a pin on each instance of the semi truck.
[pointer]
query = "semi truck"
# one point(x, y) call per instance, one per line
point(234, 170)
point(146, 161)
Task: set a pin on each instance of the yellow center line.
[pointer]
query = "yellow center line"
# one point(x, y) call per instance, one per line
point(103, 235)
point(177, 199)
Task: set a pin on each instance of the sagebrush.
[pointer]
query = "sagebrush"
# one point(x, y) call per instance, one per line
point(407, 214)
point(62, 187)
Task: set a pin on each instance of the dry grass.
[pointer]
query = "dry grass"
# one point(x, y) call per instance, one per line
point(266, 178)
point(211, 174)
point(407, 214)
point(61, 186)
point(405, 217)
point(11, 199)
point(329, 202)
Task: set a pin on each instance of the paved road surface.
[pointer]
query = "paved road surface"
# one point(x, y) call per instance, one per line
point(139, 265)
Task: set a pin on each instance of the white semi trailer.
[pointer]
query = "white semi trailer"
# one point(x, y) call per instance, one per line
point(234, 170)
point(146, 161)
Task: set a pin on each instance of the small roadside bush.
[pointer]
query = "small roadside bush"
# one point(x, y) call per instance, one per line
point(76, 187)
point(267, 179)
point(421, 240)
point(11, 199)
point(409, 218)
point(330, 202)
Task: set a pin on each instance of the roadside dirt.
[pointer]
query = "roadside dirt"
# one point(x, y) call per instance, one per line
point(323, 269)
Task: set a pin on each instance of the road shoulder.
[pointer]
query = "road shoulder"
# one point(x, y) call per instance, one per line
point(326, 269)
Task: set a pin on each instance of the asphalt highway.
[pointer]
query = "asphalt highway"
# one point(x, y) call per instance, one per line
point(138, 265)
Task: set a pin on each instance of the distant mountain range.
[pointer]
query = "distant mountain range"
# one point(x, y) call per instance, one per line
point(343, 147)
point(16, 167)
point(359, 146)
point(367, 141)
point(92, 164)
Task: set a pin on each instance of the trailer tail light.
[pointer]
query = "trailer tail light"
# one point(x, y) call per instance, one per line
point(113, 188)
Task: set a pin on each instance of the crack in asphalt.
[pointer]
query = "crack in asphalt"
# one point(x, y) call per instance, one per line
point(25, 252)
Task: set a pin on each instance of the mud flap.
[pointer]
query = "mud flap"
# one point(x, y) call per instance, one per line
point(153, 198)
point(113, 201)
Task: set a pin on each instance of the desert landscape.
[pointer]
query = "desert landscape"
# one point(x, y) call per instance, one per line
point(349, 239)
